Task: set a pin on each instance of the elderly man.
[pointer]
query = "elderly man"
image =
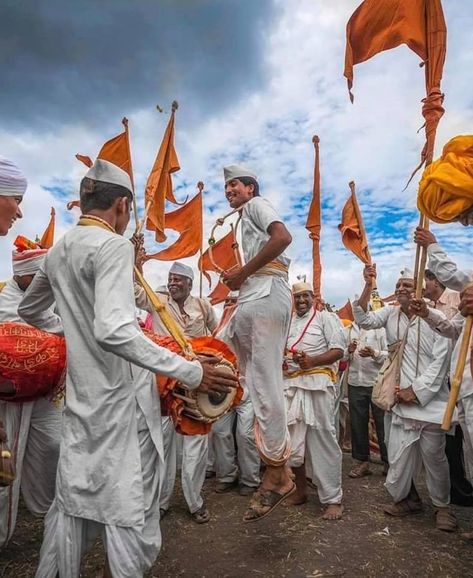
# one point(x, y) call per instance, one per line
point(257, 331)
point(196, 317)
point(366, 352)
point(109, 464)
point(315, 344)
point(35, 425)
point(415, 437)
point(12, 188)
point(240, 466)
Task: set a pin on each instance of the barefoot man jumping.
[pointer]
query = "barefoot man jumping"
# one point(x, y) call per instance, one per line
point(258, 331)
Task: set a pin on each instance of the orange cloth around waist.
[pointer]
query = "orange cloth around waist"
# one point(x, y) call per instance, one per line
point(315, 371)
point(273, 268)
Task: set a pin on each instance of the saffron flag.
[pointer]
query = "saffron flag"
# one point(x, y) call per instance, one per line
point(186, 220)
point(47, 240)
point(219, 294)
point(116, 151)
point(346, 312)
point(221, 256)
point(352, 228)
point(378, 25)
point(159, 184)
point(313, 224)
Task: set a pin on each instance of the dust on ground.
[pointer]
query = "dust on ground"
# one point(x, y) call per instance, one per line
point(293, 542)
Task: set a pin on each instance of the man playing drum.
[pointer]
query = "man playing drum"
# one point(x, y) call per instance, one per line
point(196, 317)
point(108, 475)
point(34, 426)
point(258, 330)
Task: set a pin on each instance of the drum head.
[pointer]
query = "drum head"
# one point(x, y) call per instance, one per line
point(213, 405)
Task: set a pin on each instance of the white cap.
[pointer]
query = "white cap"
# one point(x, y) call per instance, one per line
point(13, 182)
point(181, 269)
point(237, 171)
point(406, 273)
point(301, 287)
point(107, 172)
point(28, 262)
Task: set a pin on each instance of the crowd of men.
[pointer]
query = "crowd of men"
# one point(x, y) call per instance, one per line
point(104, 461)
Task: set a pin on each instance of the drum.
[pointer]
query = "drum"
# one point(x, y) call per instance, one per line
point(207, 407)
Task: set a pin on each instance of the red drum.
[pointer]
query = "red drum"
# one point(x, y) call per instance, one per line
point(31, 361)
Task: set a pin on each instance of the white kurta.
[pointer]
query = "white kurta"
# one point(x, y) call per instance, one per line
point(311, 403)
point(198, 319)
point(415, 436)
point(257, 332)
point(101, 475)
point(33, 429)
point(363, 371)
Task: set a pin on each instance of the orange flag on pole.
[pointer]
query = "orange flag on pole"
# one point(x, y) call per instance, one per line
point(378, 25)
point(219, 294)
point(353, 230)
point(159, 184)
point(47, 240)
point(186, 220)
point(221, 256)
point(313, 224)
point(346, 312)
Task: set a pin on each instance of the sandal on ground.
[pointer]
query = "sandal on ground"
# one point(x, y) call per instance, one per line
point(202, 515)
point(360, 470)
point(445, 520)
point(403, 508)
point(264, 502)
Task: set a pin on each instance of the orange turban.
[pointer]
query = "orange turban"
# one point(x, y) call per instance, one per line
point(446, 187)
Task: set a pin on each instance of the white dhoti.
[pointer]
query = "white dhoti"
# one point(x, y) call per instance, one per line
point(131, 551)
point(465, 418)
point(311, 420)
point(33, 431)
point(194, 451)
point(242, 462)
point(258, 332)
point(412, 444)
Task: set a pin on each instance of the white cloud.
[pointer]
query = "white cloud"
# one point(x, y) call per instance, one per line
point(373, 142)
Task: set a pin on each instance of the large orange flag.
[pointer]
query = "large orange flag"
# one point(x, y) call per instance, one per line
point(378, 25)
point(47, 240)
point(313, 224)
point(159, 184)
point(186, 220)
point(353, 230)
point(116, 150)
point(221, 256)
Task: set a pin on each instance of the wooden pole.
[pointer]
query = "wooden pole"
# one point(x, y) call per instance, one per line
point(458, 375)
point(200, 186)
point(127, 136)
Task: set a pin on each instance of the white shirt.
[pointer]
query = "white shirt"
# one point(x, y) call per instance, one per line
point(199, 317)
point(314, 334)
point(89, 272)
point(257, 215)
point(424, 363)
point(363, 371)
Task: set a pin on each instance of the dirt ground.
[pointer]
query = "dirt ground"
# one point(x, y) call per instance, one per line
point(291, 542)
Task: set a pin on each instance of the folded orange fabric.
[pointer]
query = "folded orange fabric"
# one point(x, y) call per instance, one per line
point(446, 187)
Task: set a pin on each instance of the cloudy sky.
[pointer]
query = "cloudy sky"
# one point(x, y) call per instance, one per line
point(255, 80)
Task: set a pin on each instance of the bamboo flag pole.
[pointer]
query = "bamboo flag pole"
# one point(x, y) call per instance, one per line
point(458, 375)
point(200, 186)
point(127, 136)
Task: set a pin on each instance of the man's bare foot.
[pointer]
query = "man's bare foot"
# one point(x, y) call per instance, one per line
point(277, 479)
point(333, 512)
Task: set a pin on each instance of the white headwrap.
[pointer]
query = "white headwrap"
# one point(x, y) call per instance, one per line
point(237, 171)
point(406, 273)
point(301, 287)
point(13, 182)
point(107, 172)
point(28, 262)
point(181, 269)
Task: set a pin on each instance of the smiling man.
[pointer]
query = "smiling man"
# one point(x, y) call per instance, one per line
point(197, 318)
point(315, 344)
point(12, 188)
point(258, 330)
point(414, 437)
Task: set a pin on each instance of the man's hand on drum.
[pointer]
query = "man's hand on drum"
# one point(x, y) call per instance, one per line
point(215, 379)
